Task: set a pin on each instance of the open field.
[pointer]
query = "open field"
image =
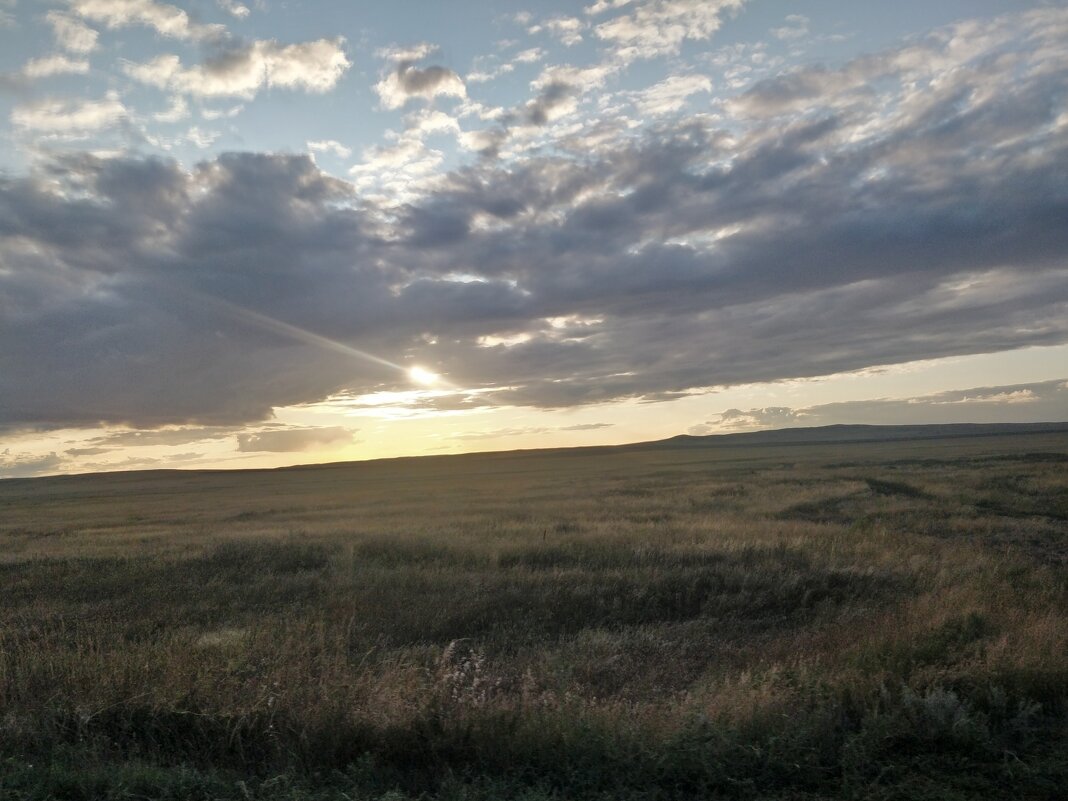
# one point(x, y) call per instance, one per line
point(876, 620)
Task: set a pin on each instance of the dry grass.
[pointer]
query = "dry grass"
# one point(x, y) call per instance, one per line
point(854, 621)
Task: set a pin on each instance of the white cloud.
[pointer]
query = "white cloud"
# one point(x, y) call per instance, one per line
point(431, 121)
point(330, 146)
point(604, 5)
point(316, 66)
point(72, 34)
point(582, 78)
point(221, 113)
point(401, 170)
point(166, 19)
point(54, 65)
point(530, 56)
point(409, 155)
point(659, 27)
point(64, 116)
point(413, 52)
point(233, 8)
point(313, 66)
point(670, 94)
point(567, 29)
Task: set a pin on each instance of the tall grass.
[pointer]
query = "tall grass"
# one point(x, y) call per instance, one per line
point(876, 621)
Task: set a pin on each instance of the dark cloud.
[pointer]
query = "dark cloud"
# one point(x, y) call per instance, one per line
point(87, 451)
point(853, 217)
point(406, 81)
point(285, 440)
point(415, 81)
point(555, 94)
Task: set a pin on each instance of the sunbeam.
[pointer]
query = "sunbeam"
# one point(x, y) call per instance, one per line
point(414, 373)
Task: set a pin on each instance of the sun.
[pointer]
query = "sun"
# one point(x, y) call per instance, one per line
point(420, 375)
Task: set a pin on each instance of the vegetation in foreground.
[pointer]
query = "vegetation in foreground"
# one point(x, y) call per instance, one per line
point(876, 621)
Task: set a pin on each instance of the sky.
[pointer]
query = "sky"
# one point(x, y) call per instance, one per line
point(252, 234)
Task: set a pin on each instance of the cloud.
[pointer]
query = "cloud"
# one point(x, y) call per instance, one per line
point(407, 81)
point(409, 53)
point(172, 461)
point(530, 56)
point(233, 8)
point(910, 207)
point(398, 171)
point(671, 94)
point(47, 66)
point(752, 420)
point(223, 113)
point(243, 70)
point(601, 6)
point(23, 465)
point(1041, 402)
point(87, 451)
point(287, 440)
point(567, 29)
point(558, 91)
point(160, 437)
point(330, 146)
point(200, 138)
point(485, 72)
point(60, 116)
point(72, 34)
point(165, 19)
point(121, 217)
point(660, 27)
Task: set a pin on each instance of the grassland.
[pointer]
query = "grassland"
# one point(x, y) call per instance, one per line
point(864, 621)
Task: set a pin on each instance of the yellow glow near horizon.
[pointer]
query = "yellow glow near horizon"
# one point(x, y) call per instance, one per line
point(420, 375)
point(403, 422)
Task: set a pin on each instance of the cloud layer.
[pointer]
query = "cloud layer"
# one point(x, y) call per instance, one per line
point(1040, 402)
point(907, 204)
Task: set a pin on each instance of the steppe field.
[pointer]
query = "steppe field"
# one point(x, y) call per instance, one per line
point(695, 619)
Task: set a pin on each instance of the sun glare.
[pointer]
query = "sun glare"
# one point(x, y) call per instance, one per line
point(420, 375)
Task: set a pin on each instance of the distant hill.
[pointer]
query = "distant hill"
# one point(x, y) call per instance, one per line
point(816, 435)
point(854, 433)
